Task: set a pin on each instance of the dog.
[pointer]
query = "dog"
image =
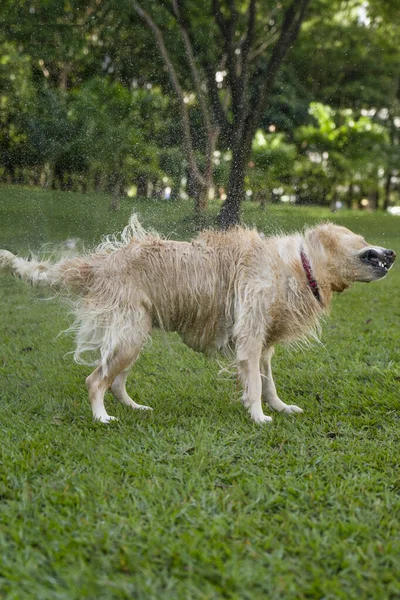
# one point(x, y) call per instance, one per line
point(233, 291)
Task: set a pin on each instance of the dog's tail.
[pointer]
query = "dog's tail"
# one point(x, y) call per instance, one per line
point(73, 274)
point(68, 275)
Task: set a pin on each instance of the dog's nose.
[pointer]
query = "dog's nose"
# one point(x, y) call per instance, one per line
point(390, 256)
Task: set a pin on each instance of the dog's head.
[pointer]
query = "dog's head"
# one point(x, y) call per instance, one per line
point(347, 257)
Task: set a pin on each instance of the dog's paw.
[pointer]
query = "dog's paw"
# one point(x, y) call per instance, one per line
point(105, 419)
point(290, 409)
point(141, 407)
point(261, 418)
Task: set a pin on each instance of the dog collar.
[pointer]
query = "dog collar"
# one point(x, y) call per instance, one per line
point(311, 281)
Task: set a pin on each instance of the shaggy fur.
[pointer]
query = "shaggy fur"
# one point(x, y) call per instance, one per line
point(235, 290)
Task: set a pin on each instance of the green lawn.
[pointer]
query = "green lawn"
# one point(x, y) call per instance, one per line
point(194, 501)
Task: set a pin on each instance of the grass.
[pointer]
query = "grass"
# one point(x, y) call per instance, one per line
point(194, 501)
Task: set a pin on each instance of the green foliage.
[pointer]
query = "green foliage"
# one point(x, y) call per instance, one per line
point(116, 134)
point(85, 100)
point(349, 149)
point(17, 93)
point(50, 132)
point(336, 150)
point(272, 164)
point(346, 53)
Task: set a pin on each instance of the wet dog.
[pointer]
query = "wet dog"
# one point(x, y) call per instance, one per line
point(234, 290)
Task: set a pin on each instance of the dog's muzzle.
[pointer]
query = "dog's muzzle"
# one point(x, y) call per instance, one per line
point(379, 258)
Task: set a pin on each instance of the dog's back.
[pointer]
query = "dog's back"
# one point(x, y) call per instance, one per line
point(185, 287)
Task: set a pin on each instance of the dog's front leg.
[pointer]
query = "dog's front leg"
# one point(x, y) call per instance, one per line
point(268, 386)
point(248, 364)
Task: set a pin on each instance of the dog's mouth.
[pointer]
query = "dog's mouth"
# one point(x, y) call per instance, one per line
point(380, 260)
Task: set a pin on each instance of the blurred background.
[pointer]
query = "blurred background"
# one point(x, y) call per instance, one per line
point(274, 102)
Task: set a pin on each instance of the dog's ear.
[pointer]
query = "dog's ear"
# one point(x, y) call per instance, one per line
point(324, 237)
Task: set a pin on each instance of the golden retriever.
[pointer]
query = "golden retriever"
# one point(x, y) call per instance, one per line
point(233, 290)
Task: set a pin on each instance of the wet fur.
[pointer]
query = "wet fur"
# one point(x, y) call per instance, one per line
point(225, 291)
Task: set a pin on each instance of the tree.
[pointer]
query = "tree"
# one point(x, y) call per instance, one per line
point(89, 100)
point(344, 151)
point(17, 93)
point(233, 54)
point(272, 165)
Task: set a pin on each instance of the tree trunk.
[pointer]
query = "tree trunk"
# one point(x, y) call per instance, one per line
point(261, 198)
point(47, 176)
point(11, 174)
point(373, 200)
point(115, 203)
point(142, 187)
point(388, 185)
point(230, 211)
point(350, 197)
point(197, 192)
point(200, 196)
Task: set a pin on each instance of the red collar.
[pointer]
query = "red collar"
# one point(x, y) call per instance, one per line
point(311, 281)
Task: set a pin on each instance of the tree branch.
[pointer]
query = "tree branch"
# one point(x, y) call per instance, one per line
point(218, 108)
point(219, 18)
point(219, 115)
point(187, 138)
point(250, 29)
point(290, 28)
point(256, 52)
point(242, 77)
point(227, 28)
point(193, 67)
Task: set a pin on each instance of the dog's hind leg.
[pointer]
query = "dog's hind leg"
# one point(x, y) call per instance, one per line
point(113, 370)
point(268, 386)
point(248, 362)
point(118, 390)
point(111, 375)
point(97, 384)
